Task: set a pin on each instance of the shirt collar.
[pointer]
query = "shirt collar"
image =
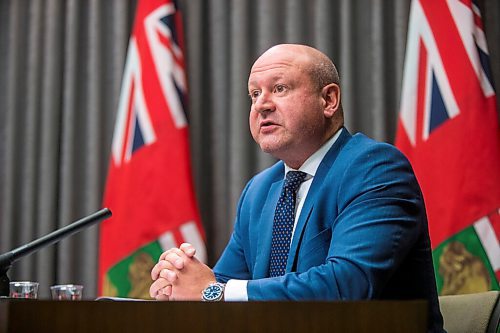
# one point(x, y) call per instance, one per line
point(312, 163)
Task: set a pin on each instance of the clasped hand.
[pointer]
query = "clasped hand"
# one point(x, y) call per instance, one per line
point(179, 275)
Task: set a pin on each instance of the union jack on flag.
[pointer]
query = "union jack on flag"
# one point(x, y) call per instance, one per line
point(428, 97)
point(149, 186)
point(161, 49)
point(448, 127)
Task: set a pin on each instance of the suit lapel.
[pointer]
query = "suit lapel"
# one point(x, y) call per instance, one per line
point(266, 230)
point(301, 223)
point(314, 191)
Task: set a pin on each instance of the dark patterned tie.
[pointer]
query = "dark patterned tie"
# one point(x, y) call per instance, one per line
point(284, 218)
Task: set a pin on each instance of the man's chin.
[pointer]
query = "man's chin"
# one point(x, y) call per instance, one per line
point(272, 148)
point(267, 148)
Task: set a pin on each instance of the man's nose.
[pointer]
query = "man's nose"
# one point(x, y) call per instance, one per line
point(264, 103)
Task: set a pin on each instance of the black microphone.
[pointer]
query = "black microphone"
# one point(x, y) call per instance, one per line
point(7, 259)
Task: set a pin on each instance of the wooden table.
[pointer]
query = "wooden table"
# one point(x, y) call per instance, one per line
point(187, 317)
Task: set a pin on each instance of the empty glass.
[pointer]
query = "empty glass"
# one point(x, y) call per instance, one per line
point(66, 292)
point(23, 289)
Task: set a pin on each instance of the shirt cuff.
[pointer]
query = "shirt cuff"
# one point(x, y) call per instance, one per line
point(236, 291)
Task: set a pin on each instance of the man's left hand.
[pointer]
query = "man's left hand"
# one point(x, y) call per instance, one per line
point(185, 273)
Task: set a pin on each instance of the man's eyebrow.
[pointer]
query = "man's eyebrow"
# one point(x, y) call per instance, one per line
point(273, 79)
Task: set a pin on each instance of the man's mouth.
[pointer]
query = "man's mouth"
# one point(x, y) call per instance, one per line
point(267, 123)
point(267, 127)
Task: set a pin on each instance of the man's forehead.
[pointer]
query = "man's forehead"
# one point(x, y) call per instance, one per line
point(274, 72)
point(270, 75)
point(282, 56)
point(274, 69)
point(271, 67)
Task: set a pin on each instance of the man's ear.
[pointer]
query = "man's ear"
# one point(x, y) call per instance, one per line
point(331, 98)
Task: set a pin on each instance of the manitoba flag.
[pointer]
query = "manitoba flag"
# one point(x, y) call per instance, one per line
point(149, 186)
point(449, 129)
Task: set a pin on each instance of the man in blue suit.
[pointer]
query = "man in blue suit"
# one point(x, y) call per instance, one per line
point(340, 217)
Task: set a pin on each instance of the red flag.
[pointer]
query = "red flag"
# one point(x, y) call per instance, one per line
point(448, 127)
point(149, 187)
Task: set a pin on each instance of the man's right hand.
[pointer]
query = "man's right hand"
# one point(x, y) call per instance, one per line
point(164, 273)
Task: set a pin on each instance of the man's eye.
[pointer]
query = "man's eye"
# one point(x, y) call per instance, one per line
point(254, 94)
point(279, 88)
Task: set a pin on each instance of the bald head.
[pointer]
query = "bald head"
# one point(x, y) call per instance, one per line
point(315, 63)
point(296, 104)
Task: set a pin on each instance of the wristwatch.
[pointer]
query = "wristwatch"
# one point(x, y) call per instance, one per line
point(213, 293)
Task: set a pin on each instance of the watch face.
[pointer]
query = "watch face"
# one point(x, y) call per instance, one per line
point(213, 293)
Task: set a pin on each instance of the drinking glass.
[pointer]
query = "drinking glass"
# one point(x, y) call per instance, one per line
point(23, 289)
point(66, 292)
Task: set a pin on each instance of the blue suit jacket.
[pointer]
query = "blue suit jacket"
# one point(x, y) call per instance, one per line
point(362, 232)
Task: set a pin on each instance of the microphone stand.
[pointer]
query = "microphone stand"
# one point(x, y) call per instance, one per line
point(7, 259)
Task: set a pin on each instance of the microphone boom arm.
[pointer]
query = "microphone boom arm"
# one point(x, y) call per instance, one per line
point(7, 259)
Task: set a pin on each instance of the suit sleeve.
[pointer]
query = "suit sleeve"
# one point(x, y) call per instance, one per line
point(379, 216)
point(233, 263)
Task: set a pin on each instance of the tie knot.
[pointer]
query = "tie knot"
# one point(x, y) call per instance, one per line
point(294, 179)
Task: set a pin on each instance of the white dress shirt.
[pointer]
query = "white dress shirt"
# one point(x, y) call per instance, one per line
point(236, 290)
